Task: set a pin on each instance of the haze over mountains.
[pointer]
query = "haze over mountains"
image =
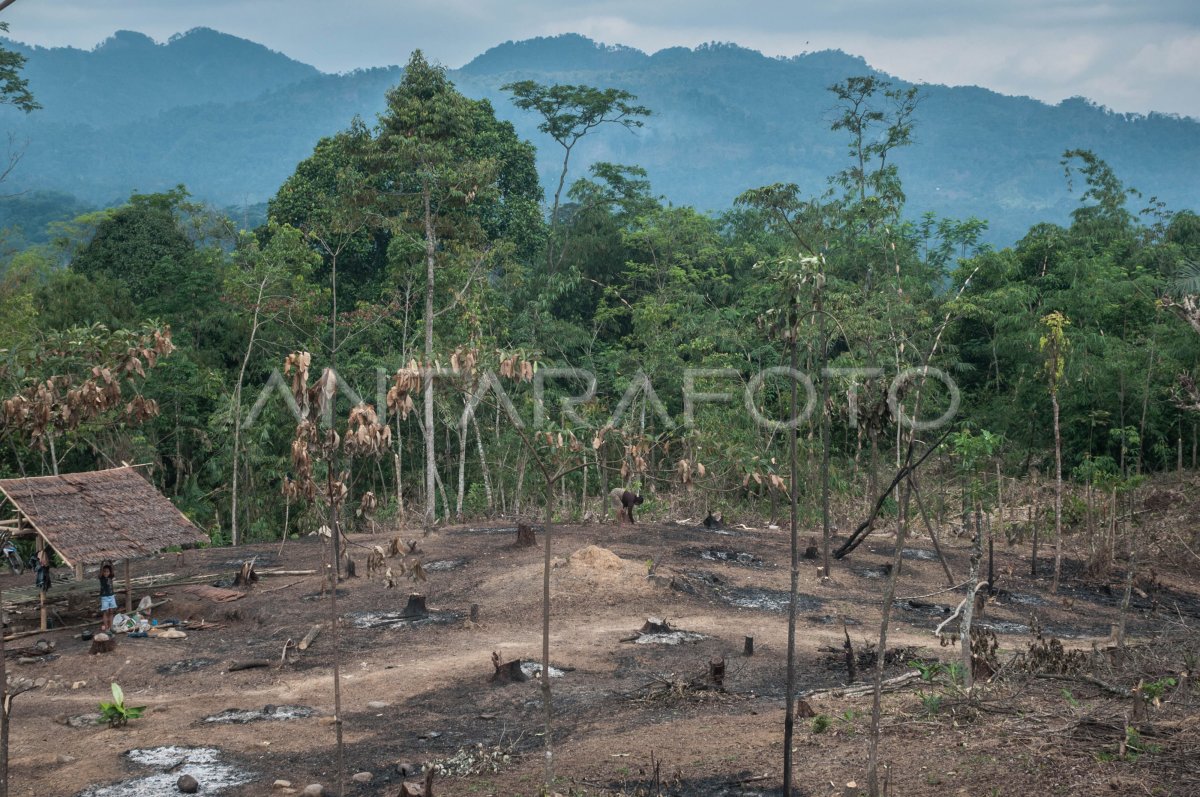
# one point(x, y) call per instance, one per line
point(230, 119)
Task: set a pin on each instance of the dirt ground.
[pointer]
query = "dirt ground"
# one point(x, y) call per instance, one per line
point(418, 692)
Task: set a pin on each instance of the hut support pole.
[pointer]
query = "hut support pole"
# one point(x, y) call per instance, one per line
point(128, 590)
point(41, 546)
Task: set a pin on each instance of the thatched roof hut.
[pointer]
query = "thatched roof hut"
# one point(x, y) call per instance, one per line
point(89, 518)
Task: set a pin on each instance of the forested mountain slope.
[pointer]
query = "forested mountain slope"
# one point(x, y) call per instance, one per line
point(229, 119)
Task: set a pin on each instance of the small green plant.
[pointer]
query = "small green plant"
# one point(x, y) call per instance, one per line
point(957, 673)
point(117, 713)
point(1070, 698)
point(1155, 690)
point(931, 702)
point(928, 669)
point(821, 723)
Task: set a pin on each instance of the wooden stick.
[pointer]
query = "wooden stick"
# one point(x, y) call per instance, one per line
point(21, 634)
point(128, 591)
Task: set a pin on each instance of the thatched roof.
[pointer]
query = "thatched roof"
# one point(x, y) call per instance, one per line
point(108, 514)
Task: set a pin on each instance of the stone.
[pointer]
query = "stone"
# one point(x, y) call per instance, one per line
point(314, 790)
point(79, 684)
point(187, 784)
point(376, 705)
point(64, 758)
point(361, 777)
point(281, 784)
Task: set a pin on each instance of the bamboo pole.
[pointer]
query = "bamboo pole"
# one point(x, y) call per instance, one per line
point(128, 590)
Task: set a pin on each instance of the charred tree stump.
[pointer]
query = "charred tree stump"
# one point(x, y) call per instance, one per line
point(507, 673)
point(413, 790)
point(748, 649)
point(525, 537)
point(348, 567)
point(656, 625)
point(716, 672)
point(246, 576)
point(474, 615)
point(103, 643)
point(812, 552)
point(415, 607)
point(851, 660)
point(803, 709)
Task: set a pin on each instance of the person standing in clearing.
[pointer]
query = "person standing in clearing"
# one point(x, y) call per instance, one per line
point(108, 601)
point(623, 502)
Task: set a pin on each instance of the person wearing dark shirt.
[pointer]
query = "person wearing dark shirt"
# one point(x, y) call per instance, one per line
point(108, 601)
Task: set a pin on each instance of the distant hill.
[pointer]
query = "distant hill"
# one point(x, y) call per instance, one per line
point(230, 119)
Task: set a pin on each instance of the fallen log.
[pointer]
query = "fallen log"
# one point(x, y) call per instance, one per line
point(253, 664)
point(889, 685)
point(309, 637)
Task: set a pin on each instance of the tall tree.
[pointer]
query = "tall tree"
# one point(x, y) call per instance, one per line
point(569, 113)
point(1053, 345)
point(424, 141)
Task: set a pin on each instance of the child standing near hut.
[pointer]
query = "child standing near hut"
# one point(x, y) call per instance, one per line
point(108, 601)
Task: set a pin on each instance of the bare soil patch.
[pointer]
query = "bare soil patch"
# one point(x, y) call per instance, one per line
point(417, 690)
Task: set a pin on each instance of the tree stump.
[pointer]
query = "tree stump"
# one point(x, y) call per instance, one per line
point(246, 576)
point(748, 649)
point(851, 660)
point(415, 606)
point(348, 567)
point(474, 616)
point(803, 709)
point(812, 552)
point(716, 672)
point(507, 673)
point(656, 625)
point(525, 538)
point(103, 643)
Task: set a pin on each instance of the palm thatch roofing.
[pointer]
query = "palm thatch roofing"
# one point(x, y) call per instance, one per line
point(101, 515)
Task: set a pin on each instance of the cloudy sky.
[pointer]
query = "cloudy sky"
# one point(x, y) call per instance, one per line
point(1131, 55)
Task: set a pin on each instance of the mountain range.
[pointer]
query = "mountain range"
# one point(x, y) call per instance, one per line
point(230, 119)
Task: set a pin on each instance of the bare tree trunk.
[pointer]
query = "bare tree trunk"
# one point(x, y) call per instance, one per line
point(4, 707)
point(547, 703)
point(462, 469)
point(889, 598)
point(430, 461)
point(234, 532)
point(399, 461)
point(487, 477)
point(968, 615)
point(789, 720)
point(1058, 496)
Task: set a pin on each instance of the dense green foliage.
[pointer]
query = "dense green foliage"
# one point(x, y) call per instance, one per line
point(435, 213)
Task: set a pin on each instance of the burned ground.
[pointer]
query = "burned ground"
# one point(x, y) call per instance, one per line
point(625, 719)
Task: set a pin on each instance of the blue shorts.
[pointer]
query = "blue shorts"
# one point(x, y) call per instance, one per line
point(108, 602)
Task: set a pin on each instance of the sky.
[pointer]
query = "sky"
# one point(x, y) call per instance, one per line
point(1130, 55)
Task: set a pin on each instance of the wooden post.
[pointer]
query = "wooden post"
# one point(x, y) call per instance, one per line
point(41, 546)
point(128, 590)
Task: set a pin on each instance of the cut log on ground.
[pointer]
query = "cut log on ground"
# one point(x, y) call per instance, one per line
point(889, 685)
point(507, 673)
point(309, 637)
point(253, 664)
